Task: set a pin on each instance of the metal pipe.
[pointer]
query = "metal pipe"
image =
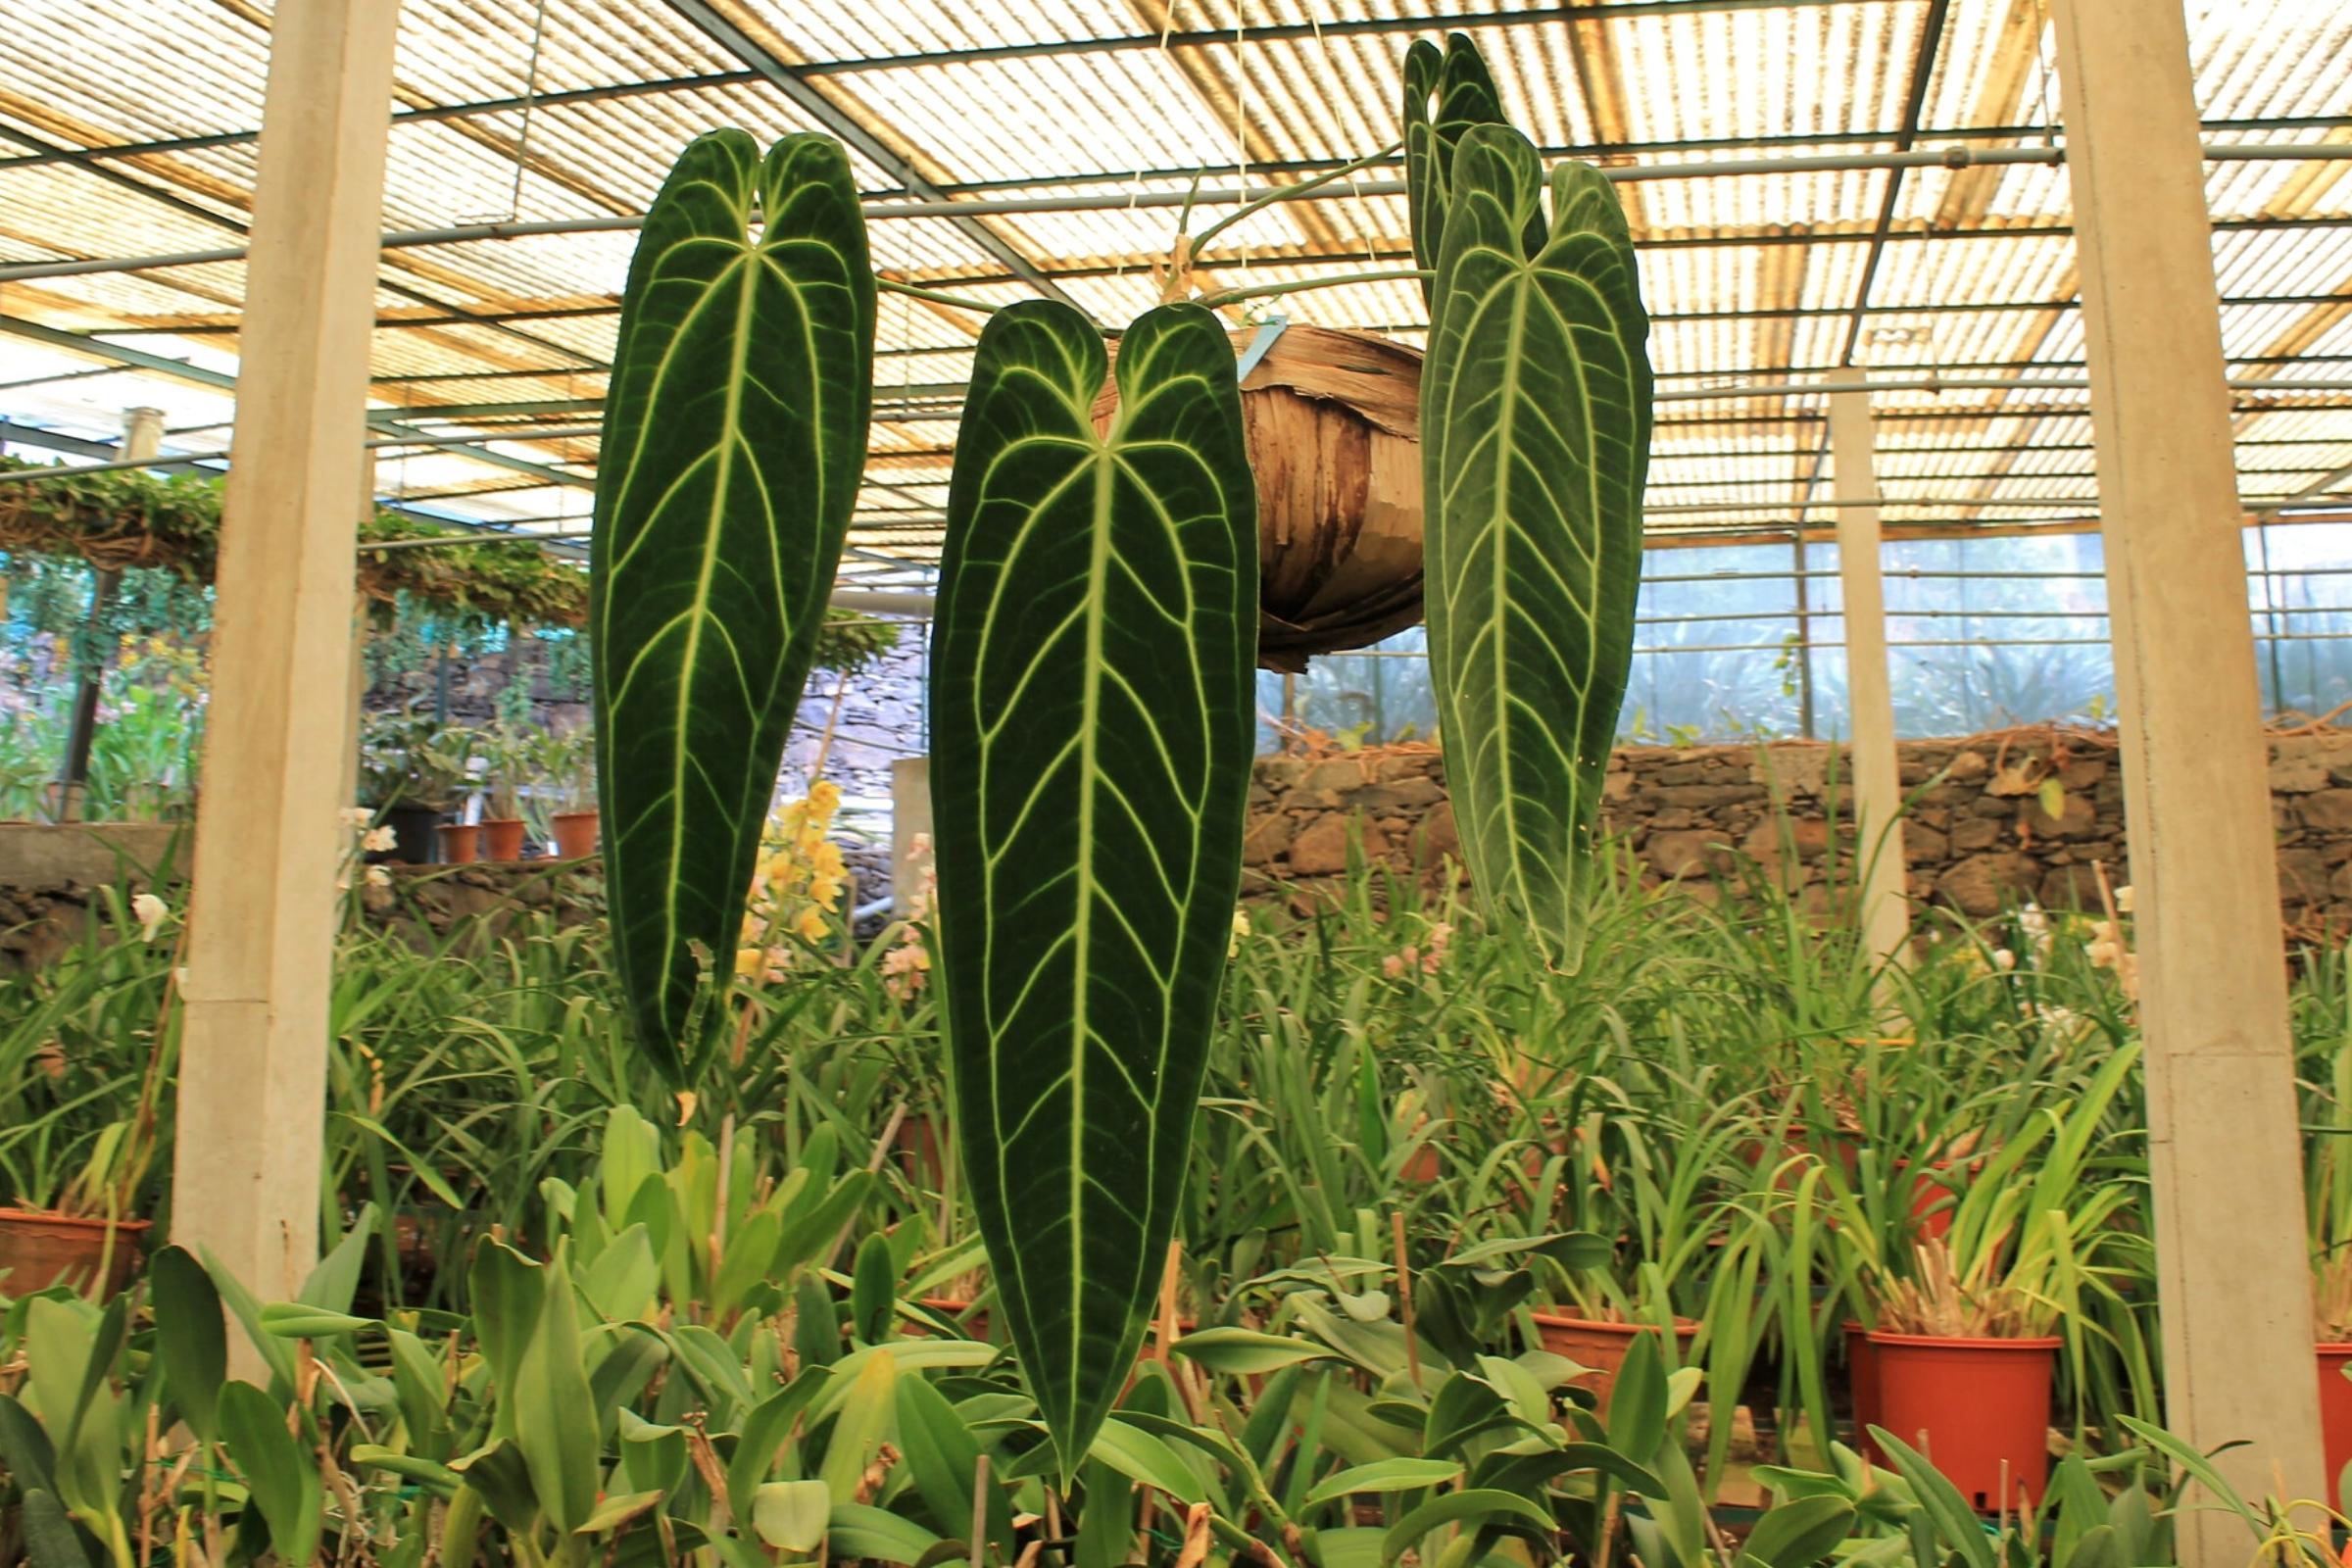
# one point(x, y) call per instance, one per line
point(1956, 157)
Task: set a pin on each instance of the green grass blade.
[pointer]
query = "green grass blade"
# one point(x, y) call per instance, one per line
point(1092, 729)
point(733, 445)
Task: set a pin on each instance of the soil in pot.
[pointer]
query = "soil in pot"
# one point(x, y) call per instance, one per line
point(1979, 1409)
point(460, 843)
point(502, 838)
point(1602, 1346)
point(575, 835)
point(38, 1250)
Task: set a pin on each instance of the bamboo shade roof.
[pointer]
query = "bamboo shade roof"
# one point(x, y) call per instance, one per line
point(127, 132)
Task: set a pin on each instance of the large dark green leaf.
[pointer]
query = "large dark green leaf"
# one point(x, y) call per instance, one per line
point(734, 438)
point(1092, 727)
point(1446, 93)
point(1535, 422)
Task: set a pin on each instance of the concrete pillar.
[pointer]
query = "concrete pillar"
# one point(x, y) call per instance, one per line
point(1882, 908)
point(2235, 1280)
point(910, 823)
point(142, 438)
point(262, 915)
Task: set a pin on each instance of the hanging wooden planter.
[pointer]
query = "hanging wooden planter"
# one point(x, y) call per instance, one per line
point(1333, 423)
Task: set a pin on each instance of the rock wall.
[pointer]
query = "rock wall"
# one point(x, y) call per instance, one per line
point(1995, 819)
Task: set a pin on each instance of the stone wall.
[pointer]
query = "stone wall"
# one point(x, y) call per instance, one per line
point(1981, 831)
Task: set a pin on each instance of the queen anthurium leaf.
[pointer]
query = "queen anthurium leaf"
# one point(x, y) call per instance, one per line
point(1445, 92)
point(734, 439)
point(1535, 443)
point(1093, 719)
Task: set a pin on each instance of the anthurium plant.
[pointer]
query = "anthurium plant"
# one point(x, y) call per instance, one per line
point(1091, 698)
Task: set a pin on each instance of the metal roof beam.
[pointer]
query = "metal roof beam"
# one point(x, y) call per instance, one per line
point(788, 79)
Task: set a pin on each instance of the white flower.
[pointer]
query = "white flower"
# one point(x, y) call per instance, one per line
point(356, 818)
point(378, 877)
point(378, 840)
point(1241, 929)
point(2003, 960)
point(151, 914)
point(2123, 899)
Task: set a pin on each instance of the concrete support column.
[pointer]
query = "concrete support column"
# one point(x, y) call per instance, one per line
point(263, 908)
point(2235, 1280)
point(1882, 910)
point(142, 438)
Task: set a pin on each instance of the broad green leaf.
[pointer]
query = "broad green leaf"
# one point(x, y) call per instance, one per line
point(1092, 718)
point(734, 440)
point(1445, 92)
point(792, 1515)
point(944, 1457)
point(556, 1423)
point(283, 1479)
point(1481, 1508)
point(191, 1336)
point(862, 1425)
point(1383, 1475)
point(1142, 1457)
point(1246, 1351)
point(859, 1530)
point(1800, 1533)
point(1535, 441)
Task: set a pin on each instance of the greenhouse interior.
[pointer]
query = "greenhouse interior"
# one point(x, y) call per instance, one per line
point(1236, 784)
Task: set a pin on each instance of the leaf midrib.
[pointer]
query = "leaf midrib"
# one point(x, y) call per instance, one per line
point(1090, 712)
point(746, 292)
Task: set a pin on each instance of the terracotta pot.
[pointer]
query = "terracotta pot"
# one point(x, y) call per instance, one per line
point(1421, 1167)
point(2335, 1409)
point(1603, 1347)
point(38, 1250)
point(1933, 1197)
point(919, 1157)
point(1979, 1409)
point(502, 838)
point(1862, 1381)
point(460, 843)
point(575, 835)
point(1331, 421)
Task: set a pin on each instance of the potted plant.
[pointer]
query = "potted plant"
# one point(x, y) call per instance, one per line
point(569, 758)
point(509, 761)
point(73, 1221)
point(1968, 1324)
point(411, 770)
point(2327, 1185)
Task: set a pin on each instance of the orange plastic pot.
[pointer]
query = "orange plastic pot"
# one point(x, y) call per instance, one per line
point(1862, 1381)
point(1979, 1409)
point(575, 835)
point(1602, 1346)
point(38, 1250)
point(460, 843)
point(502, 838)
point(2335, 1409)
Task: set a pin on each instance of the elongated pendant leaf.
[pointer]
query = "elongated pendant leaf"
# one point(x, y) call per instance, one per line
point(734, 439)
point(1446, 93)
point(1091, 730)
point(1535, 422)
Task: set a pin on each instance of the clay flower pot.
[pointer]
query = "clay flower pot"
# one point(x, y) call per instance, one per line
point(1862, 1381)
point(460, 843)
point(502, 838)
point(1602, 1346)
point(2336, 1408)
point(575, 835)
point(38, 1250)
point(1979, 1409)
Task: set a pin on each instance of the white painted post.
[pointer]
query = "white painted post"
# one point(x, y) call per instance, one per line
point(2233, 1274)
point(1883, 906)
point(262, 907)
